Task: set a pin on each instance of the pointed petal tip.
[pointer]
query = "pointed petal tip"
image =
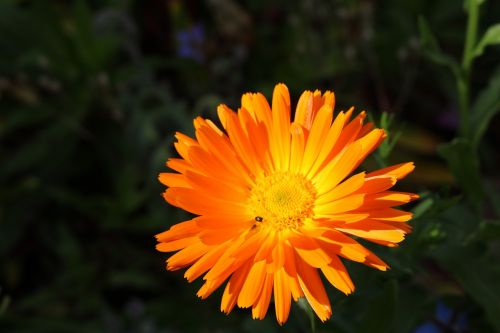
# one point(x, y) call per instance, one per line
point(382, 268)
point(169, 267)
point(223, 108)
point(188, 277)
point(158, 246)
point(201, 295)
point(410, 166)
point(257, 317)
point(282, 89)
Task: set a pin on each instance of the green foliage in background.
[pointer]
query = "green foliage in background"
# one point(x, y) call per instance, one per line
point(91, 93)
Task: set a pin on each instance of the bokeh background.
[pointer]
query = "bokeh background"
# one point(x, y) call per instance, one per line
point(91, 93)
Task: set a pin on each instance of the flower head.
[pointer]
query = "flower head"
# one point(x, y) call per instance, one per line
point(276, 203)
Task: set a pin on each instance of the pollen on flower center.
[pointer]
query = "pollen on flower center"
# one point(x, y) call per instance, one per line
point(282, 200)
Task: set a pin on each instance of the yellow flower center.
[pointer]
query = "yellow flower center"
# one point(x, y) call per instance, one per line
point(282, 200)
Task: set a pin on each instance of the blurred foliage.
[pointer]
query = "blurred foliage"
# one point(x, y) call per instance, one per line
point(91, 93)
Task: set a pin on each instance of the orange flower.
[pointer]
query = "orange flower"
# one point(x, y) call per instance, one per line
point(275, 205)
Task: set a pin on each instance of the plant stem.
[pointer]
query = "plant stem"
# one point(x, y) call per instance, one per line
point(312, 321)
point(470, 35)
point(463, 104)
point(463, 81)
point(304, 305)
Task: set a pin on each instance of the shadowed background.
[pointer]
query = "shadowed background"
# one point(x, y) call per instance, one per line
point(91, 93)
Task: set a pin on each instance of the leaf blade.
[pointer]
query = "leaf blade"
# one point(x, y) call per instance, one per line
point(490, 37)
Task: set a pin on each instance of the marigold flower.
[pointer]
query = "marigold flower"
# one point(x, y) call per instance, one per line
point(276, 205)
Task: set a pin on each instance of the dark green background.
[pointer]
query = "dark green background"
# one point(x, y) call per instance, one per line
point(91, 93)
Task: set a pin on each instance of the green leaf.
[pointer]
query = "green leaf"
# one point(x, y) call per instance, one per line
point(304, 305)
point(464, 164)
point(386, 122)
point(427, 38)
point(485, 107)
point(432, 50)
point(477, 275)
point(423, 207)
point(490, 37)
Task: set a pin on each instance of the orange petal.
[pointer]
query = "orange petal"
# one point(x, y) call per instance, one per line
point(280, 144)
point(216, 237)
point(313, 289)
point(390, 214)
point(205, 262)
point(336, 273)
point(233, 288)
point(177, 244)
point(213, 284)
point(197, 203)
point(259, 310)
point(223, 221)
point(365, 129)
point(253, 284)
point(377, 184)
point(304, 112)
point(371, 141)
point(308, 105)
point(329, 99)
point(240, 251)
point(310, 251)
point(374, 230)
point(184, 144)
point(343, 205)
point(399, 171)
point(210, 286)
point(319, 131)
point(328, 143)
point(257, 137)
point(278, 255)
point(282, 296)
point(349, 133)
point(387, 199)
point(339, 168)
point(344, 189)
point(187, 256)
point(291, 271)
point(347, 218)
point(173, 179)
point(181, 230)
point(258, 106)
point(223, 157)
point(297, 148)
point(333, 241)
point(266, 248)
point(240, 140)
point(178, 164)
point(213, 186)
